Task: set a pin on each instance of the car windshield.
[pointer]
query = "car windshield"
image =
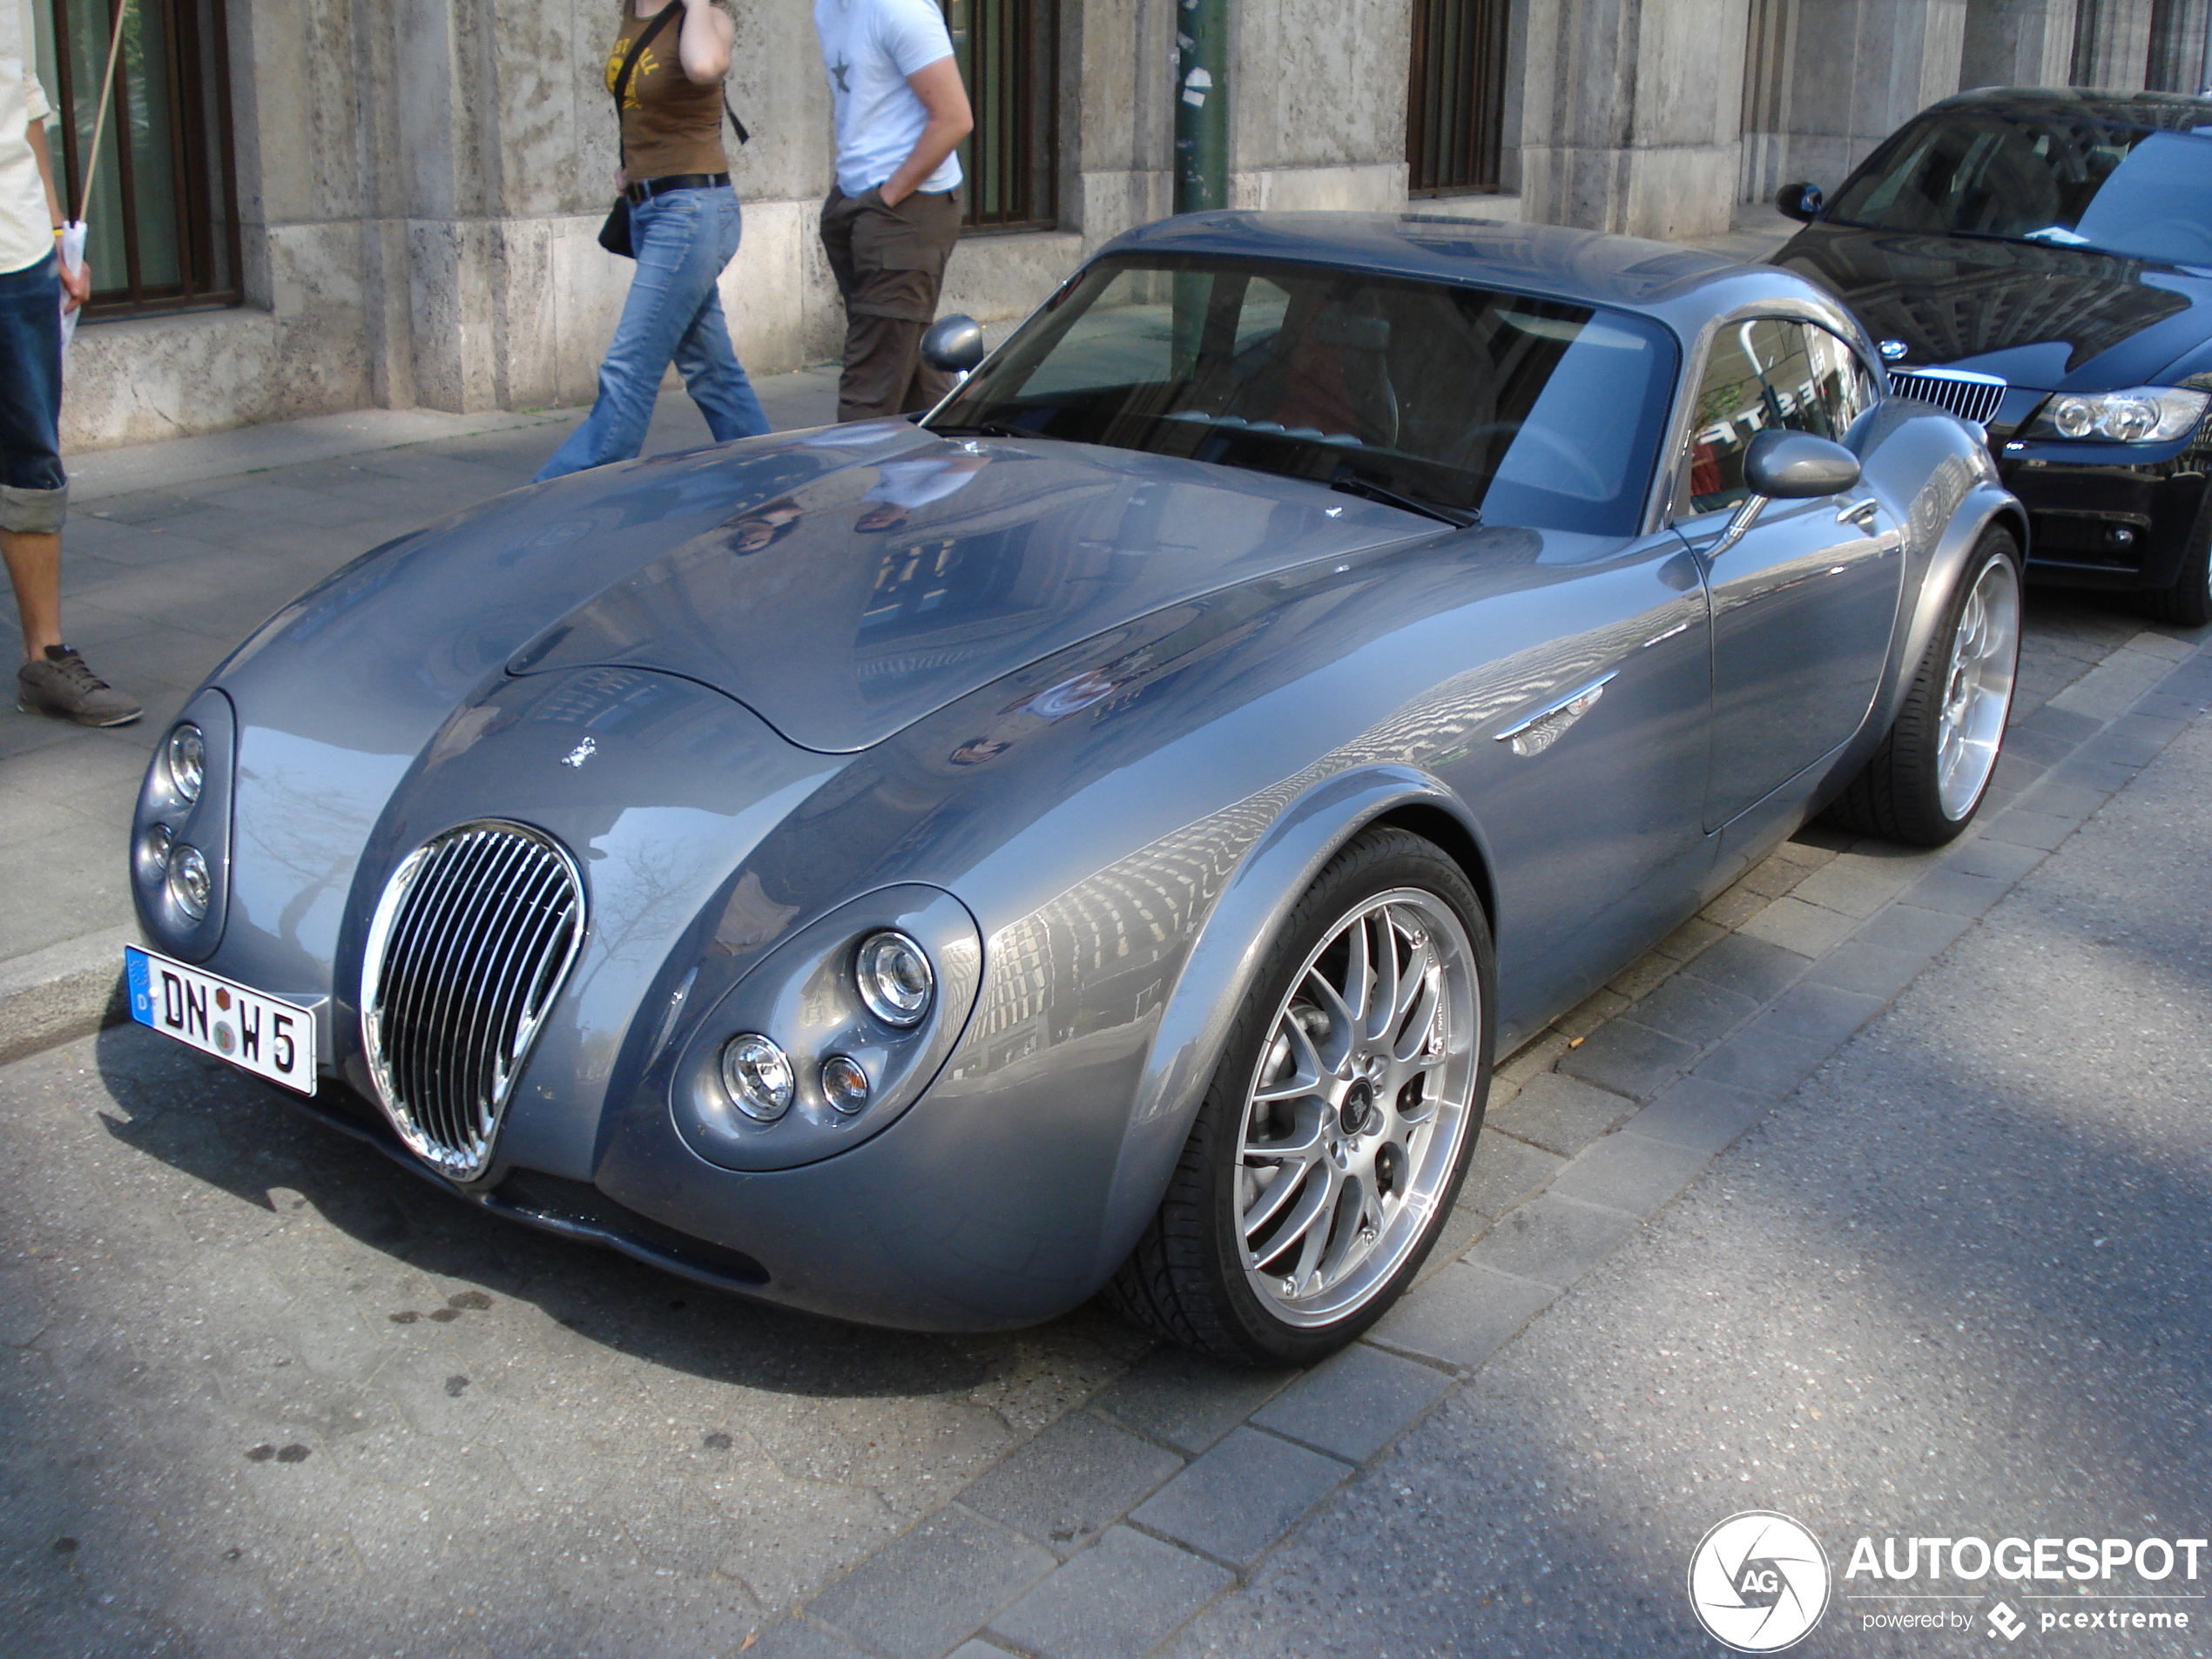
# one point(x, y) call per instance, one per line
point(1454, 400)
point(2064, 180)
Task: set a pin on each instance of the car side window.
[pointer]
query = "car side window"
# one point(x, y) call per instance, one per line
point(1768, 373)
point(1842, 385)
point(1742, 393)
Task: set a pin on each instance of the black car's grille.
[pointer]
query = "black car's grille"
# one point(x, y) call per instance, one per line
point(471, 942)
point(1970, 397)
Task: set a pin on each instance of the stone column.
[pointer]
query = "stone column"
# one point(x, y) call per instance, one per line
point(1630, 114)
point(2177, 47)
point(1832, 78)
point(2018, 43)
point(2111, 44)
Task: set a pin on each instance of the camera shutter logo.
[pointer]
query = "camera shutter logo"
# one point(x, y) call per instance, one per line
point(1759, 1581)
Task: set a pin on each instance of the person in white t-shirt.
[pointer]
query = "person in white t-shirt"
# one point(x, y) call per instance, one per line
point(34, 489)
point(894, 214)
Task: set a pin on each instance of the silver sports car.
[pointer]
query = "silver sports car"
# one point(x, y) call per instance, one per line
point(1098, 837)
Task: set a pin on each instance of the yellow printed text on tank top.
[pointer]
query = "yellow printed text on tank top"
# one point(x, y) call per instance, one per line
point(647, 65)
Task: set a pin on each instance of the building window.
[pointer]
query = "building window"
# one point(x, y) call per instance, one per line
point(1455, 105)
point(163, 232)
point(1010, 55)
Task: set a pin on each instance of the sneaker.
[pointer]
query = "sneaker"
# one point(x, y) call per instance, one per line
point(60, 684)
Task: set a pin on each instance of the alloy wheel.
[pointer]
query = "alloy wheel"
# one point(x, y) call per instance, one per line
point(1977, 688)
point(1356, 1113)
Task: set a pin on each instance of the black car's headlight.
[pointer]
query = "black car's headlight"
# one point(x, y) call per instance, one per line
point(2136, 415)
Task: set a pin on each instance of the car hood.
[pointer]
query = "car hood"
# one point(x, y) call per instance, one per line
point(2052, 318)
point(912, 571)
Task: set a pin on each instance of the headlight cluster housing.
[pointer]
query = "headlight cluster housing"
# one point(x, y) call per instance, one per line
point(833, 1033)
point(180, 834)
point(2136, 415)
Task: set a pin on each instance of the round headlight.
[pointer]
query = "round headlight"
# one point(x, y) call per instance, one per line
point(190, 883)
point(758, 1076)
point(895, 978)
point(2129, 420)
point(160, 841)
point(2074, 417)
point(187, 760)
point(844, 1084)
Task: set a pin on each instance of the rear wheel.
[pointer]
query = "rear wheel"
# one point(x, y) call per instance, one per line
point(1922, 786)
point(1333, 1140)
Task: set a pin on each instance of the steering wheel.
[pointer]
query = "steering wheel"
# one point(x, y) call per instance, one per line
point(1575, 461)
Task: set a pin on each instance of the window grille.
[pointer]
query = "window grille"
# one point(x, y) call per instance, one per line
point(1008, 52)
point(1455, 105)
point(163, 231)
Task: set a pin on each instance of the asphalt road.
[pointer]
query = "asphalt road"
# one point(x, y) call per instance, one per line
point(1959, 1285)
point(262, 1393)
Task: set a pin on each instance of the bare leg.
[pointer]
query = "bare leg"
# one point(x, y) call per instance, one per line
point(35, 567)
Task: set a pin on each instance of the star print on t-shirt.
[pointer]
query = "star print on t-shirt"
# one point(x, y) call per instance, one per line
point(841, 69)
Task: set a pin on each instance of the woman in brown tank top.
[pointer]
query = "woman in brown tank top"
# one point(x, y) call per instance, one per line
point(684, 225)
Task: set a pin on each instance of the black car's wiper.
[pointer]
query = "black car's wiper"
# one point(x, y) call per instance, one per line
point(982, 429)
point(1458, 518)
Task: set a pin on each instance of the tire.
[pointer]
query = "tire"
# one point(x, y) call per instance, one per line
point(2187, 603)
point(1406, 1066)
point(1924, 783)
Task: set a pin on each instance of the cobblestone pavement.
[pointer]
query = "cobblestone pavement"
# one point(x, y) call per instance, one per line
point(267, 1394)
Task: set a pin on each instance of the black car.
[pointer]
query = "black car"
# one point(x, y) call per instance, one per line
point(2041, 262)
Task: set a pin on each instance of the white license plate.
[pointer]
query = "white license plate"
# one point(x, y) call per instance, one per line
point(267, 1037)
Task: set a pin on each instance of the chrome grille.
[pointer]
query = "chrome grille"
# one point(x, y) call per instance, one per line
point(1969, 396)
point(475, 932)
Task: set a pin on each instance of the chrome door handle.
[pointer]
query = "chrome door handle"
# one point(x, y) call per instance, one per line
point(1861, 513)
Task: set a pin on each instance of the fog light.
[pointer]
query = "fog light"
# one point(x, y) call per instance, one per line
point(758, 1076)
point(187, 761)
point(160, 842)
point(190, 885)
point(896, 980)
point(844, 1084)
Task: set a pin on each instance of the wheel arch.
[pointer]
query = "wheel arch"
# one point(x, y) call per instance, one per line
point(1986, 507)
point(1232, 945)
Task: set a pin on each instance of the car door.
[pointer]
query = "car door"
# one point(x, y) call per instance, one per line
point(1804, 601)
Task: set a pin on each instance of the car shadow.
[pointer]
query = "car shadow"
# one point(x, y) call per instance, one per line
point(206, 1120)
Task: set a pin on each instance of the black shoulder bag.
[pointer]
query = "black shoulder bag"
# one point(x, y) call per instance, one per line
point(614, 235)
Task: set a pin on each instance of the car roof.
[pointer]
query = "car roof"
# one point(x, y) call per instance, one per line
point(1682, 287)
point(2173, 111)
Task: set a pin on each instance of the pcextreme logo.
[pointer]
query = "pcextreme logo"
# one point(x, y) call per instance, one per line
point(1759, 1581)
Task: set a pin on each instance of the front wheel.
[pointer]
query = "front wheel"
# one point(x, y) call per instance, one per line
point(1333, 1138)
point(1922, 786)
point(2187, 603)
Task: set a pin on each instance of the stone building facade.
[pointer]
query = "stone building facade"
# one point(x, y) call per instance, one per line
point(419, 183)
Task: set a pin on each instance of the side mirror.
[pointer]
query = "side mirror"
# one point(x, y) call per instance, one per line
point(1796, 466)
point(953, 344)
point(1800, 202)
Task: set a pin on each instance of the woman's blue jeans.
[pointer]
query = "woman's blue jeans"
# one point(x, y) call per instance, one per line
point(683, 240)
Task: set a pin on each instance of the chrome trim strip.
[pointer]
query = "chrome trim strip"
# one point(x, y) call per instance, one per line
point(1538, 730)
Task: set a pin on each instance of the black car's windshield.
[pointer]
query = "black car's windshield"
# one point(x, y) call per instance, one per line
point(1453, 399)
point(2064, 180)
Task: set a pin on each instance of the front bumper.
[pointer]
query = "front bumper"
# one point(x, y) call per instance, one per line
point(2110, 526)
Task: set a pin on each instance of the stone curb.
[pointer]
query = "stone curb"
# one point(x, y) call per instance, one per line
point(1227, 1487)
point(62, 993)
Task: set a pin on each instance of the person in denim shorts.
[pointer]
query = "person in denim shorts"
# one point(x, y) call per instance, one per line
point(684, 225)
point(34, 491)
